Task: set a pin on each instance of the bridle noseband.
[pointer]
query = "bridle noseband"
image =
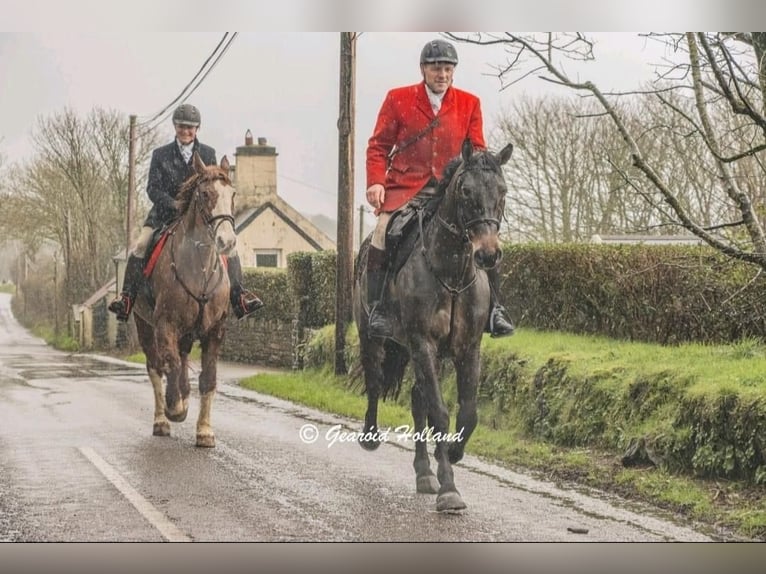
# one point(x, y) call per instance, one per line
point(212, 222)
point(463, 229)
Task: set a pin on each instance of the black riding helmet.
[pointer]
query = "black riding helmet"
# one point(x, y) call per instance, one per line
point(186, 114)
point(438, 51)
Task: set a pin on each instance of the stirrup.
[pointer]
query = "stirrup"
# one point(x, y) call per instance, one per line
point(247, 304)
point(499, 324)
point(122, 307)
point(378, 323)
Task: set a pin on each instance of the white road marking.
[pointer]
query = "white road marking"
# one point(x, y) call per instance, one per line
point(146, 508)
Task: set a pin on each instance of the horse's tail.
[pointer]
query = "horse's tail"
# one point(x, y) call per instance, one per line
point(394, 362)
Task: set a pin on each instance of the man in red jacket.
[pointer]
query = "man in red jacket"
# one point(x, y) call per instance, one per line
point(419, 129)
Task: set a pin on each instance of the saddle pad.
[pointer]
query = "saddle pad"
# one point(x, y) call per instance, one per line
point(401, 243)
point(155, 253)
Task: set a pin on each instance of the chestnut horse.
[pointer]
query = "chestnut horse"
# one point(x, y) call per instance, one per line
point(439, 301)
point(186, 298)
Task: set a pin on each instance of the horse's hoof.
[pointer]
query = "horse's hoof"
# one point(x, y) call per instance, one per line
point(206, 440)
point(176, 417)
point(369, 444)
point(161, 429)
point(428, 484)
point(449, 502)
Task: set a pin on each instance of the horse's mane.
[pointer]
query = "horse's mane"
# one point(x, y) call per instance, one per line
point(184, 196)
point(449, 171)
point(481, 159)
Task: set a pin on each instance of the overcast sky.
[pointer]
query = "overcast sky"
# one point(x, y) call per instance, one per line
point(281, 86)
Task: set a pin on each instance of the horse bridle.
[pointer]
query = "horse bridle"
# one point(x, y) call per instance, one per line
point(212, 222)
point(461, 232)
point(208, 218)
point(465, 226)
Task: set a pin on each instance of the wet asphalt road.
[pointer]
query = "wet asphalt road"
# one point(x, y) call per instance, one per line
point(79, 463)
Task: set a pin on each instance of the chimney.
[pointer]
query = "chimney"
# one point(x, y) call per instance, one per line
point(256, 173)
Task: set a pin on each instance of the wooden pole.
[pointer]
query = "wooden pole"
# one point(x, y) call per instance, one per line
point(131, 184)
point(345, 241)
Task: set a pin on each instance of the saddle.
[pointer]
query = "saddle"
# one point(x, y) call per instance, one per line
point(404, 227)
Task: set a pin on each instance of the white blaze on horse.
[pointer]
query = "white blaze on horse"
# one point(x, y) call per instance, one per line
point(186, 298)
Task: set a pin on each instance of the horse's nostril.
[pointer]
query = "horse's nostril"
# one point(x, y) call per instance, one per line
point(486, 260)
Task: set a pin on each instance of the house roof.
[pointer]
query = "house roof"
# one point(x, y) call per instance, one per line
point(300, 224)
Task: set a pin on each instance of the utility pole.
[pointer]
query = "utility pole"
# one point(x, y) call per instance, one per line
point(131, 183)
point(345, 264)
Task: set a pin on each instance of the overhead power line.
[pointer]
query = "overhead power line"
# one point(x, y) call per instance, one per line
point(188, 90)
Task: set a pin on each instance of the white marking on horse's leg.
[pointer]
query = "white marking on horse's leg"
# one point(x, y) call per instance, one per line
point(180, 408)
point(167, 529)
point(161, 424)
point(205, 434)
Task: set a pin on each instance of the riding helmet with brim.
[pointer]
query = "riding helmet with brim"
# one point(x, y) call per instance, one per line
point(186, 114)
point(438, 51)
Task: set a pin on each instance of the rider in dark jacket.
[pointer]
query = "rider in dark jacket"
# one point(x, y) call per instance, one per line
point(170, 167)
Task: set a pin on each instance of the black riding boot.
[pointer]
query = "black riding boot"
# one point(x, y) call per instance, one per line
point(244, 302)
point(123, 305)
point(379, 325)
point(499, 324)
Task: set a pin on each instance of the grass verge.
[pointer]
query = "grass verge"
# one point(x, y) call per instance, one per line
point(601, 395)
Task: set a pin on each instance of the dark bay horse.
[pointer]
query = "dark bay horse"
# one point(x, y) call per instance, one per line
point(186, 298)
point(440, 301)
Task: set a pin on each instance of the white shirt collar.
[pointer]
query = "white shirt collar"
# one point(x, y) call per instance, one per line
point(435, 99)
point(186, 150)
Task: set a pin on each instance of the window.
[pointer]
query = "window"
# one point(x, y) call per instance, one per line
point(267, 257)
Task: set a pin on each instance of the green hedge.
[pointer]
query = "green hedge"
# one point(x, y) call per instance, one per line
point(273, 287)
point(312, 281)
point(664, 294)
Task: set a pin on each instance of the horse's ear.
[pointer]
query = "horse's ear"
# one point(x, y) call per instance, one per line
point(199, 165)
point(467, 149)
point(505, 154)
point(225, 163)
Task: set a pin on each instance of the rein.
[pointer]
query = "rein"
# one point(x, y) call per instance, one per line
point(454, 291)
point(460, 231)
point(465, 226)
point(212, 222)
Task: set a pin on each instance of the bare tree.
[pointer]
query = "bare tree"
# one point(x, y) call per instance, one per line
point(73, 193)
point(721, 80)
point(563, 188)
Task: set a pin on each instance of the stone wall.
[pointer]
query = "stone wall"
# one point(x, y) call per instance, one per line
point(265, 342)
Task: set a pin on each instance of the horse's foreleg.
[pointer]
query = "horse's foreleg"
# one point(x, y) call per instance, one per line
point(176, 404)
point(161, 425)
point(211, 345)
point(467, 369)
point(205, 434)
point(425, 478)
point(425, 365)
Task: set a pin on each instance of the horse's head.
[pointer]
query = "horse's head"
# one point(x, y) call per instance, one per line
point(477, 192)
point(210, 193)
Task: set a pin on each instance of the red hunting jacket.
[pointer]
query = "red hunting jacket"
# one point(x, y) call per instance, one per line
point(405, 113)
